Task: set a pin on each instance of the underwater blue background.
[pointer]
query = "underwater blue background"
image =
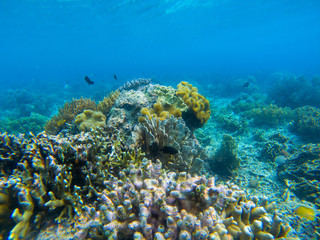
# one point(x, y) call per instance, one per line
point(45, 43)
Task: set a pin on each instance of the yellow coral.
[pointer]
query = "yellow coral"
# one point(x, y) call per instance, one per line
point(160, 111)
point(90, 120)
point(197, 103)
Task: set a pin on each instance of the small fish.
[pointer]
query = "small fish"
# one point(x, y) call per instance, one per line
point(88, 80)
point(115, 77)
point(246, 84)
point(169, 150)
point(306, 212)
point(61, 122)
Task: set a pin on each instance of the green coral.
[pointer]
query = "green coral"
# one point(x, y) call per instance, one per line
point(34, 123)
point(306, 122)
point(269, 114)
point(225, 160)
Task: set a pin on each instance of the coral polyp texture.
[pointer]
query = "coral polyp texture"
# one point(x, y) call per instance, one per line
point(90, 120)
point(106, 104)
point(199, 107)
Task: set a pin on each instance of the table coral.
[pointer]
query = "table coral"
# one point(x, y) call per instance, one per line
point(199, 107)
point(89, 120)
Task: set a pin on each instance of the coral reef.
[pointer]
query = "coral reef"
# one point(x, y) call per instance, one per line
point(300, 172)
point(67, 113)
point(34, 123)
point(106, 104)
point(306, 122)
point(295, 91)
point(172, 142)
point(199, 107)
point(90, 120)
point(160, 111)
point(270, 115)
point(271, 150)
point(148, 204)
point(246, 102)
point(225, 160)
point(135, 84)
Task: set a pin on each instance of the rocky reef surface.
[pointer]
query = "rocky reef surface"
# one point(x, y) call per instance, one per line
point(152, 164)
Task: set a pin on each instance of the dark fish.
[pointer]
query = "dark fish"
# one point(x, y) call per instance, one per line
point(115, 77)
point(88, 80)
point(169, 150)
point(246, 84)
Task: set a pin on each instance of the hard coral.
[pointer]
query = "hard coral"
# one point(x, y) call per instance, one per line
point(106, 104)
point(199, 107)
point(225, 160)
point(300, 172)
point(146, 203)
point(270, 114)
point(172, 142)
point(90, 120)
point(67, 114)
point(307, 122)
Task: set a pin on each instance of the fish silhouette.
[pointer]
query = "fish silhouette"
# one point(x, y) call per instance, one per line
point(115, 77)
point(87, 79)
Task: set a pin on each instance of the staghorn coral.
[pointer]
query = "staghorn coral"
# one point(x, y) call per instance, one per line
point(90, 120)
point(306, 122)
point(147, 203)
point(300, 173)
point(225, 160)
point(199, 107)
point(106, 104)
point(67, 113)
point(270, 114)
point(154, 136)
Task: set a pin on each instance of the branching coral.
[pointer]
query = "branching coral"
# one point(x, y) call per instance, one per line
point(90, 120)
point(67, 114)
point(106, 104)
point(150, 204)
point(172, 142)
point(199, 107)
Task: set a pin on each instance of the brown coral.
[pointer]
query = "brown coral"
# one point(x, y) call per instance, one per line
point(67, 113)
point(106, 104)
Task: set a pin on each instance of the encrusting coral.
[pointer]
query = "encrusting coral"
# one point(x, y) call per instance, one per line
point(67, 113)
point(90, 120)
point(199, 107)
